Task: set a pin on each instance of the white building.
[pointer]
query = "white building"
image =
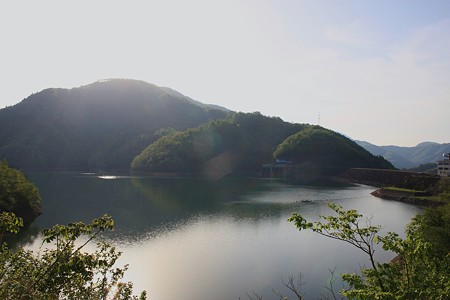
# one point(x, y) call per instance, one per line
point(444, 165)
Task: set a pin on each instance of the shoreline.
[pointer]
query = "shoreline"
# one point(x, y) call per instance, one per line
point(405, 197)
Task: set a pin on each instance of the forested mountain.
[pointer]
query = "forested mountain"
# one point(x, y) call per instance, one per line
point(103, 125)
point(243, 142)
point(409, 157)
point(115, 123)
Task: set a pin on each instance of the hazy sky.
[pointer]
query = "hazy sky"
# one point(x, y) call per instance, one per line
point(374, 70)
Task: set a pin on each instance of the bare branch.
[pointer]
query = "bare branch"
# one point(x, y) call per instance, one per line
point(255, 296)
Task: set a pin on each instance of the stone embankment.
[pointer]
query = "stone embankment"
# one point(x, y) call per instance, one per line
point(422, 184)
point(384, 178)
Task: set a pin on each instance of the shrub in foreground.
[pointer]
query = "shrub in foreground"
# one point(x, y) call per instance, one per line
point(63, 270)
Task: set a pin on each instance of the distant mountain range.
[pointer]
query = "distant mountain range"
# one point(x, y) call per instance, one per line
point(409, 157)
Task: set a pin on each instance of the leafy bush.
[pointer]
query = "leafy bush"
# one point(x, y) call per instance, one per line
point(17, 194)
point(63, 270)
point(435, 227)
point(421, 272)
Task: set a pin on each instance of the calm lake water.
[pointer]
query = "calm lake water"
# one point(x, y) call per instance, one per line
point(198, 239)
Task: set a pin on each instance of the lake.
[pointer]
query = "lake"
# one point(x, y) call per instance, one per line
point(200, 239)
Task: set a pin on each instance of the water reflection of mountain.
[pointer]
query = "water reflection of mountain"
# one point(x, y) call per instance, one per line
point(140, 205)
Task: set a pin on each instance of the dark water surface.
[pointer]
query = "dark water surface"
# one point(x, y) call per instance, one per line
point(190, 238)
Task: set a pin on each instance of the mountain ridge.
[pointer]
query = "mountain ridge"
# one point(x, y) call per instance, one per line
point(106, 124)
point(100, 125)
point(409, 157)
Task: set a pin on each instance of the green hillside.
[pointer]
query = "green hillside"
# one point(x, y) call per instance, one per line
point(327, 149)
point(103, 125)
point(243, 142)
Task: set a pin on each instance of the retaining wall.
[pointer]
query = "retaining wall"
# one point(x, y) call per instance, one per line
point(384, 178)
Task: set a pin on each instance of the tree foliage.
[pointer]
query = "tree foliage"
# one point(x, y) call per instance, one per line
point(420, 273)
point(435, 227)
point(63, 270)
point(435, 221)
point(17, 194)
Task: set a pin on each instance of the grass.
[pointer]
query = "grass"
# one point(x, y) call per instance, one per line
point(442, 196)
point(392, 188)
